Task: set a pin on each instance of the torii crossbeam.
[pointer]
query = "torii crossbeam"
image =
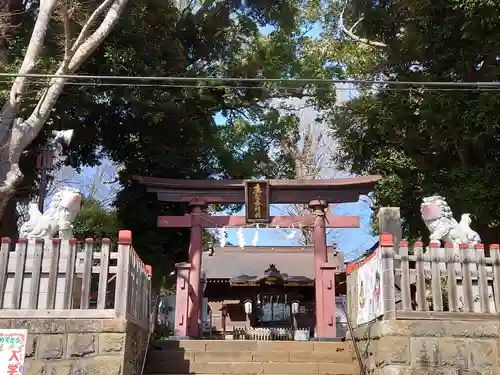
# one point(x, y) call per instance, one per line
point(210, 221)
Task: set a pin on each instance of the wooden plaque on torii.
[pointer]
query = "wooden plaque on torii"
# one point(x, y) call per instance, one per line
point(257, 206)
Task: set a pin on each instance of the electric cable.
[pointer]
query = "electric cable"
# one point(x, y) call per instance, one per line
point(270, 88)
point(254, 79)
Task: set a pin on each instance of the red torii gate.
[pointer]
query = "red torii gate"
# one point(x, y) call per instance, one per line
point(257, 195)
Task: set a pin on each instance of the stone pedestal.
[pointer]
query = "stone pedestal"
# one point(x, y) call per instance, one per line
point(389, 221)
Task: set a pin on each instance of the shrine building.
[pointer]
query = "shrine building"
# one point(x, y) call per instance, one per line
point(271, 278)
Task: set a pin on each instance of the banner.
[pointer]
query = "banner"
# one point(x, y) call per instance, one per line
point(12, 350)
point(370, 291)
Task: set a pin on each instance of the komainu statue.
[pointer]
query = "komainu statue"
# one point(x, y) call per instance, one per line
point(439, 220)
point(57, 219)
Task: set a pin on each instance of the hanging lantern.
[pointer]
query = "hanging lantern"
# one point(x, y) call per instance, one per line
point(248, 307)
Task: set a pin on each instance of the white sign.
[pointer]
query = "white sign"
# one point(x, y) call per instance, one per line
point(370, 291)
point(12, 350)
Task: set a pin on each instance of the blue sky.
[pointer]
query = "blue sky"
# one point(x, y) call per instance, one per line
point(352, 242)
point(313, 33)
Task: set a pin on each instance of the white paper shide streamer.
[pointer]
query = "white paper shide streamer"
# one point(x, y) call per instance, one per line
point(241, 238)
point(222, 234)
point(255, 239)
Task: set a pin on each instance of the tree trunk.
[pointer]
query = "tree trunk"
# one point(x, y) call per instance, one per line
point(16, 133)
point(8, 225)
point(9, 185)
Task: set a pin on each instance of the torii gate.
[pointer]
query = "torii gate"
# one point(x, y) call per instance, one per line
point(257, 196)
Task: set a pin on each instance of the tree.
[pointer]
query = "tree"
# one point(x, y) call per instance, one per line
point(96, 221)
point(426, 141)
point(168, 131)
point(311, 148)
point(16, 132)
point(309, 154)
point(167, 128)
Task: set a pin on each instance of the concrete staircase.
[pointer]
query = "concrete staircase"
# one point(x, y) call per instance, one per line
point(251, 357)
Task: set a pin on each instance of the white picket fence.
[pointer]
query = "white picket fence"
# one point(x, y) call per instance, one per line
point(422, 283)
point(67, 279)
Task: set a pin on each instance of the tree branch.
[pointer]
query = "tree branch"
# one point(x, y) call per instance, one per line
point(86, 48)
point(92, 19)
point(29, 129)
point(35, 46)
point(66, 15)
point(356, 38)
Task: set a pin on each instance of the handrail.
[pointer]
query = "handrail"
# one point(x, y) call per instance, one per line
point(353, 339)
point(151, 325)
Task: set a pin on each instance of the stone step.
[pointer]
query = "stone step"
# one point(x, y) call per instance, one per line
point(257, 368)
point(346, 356)
point(249, 345)
point(251, 357)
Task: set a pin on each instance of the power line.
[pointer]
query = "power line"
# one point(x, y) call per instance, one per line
point(254, 79)
point(283, 88)
point(240, 87)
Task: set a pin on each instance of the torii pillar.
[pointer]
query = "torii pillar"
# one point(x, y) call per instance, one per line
point(324, 274)
point(195, 302)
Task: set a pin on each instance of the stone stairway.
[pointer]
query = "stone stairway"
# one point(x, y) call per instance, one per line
point(251, 357)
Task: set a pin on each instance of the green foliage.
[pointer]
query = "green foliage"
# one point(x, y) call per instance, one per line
point(169, 130)
point(425, 141)
point(96, 222)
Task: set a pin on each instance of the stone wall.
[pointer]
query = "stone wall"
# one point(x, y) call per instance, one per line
point(135, 348)
point(430, 347)
point(81, 346)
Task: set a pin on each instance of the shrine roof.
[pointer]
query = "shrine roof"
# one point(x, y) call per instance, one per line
point(338, 190)
point(296, 261)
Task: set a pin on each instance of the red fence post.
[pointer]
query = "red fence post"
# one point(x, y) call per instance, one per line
point(122, 273)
